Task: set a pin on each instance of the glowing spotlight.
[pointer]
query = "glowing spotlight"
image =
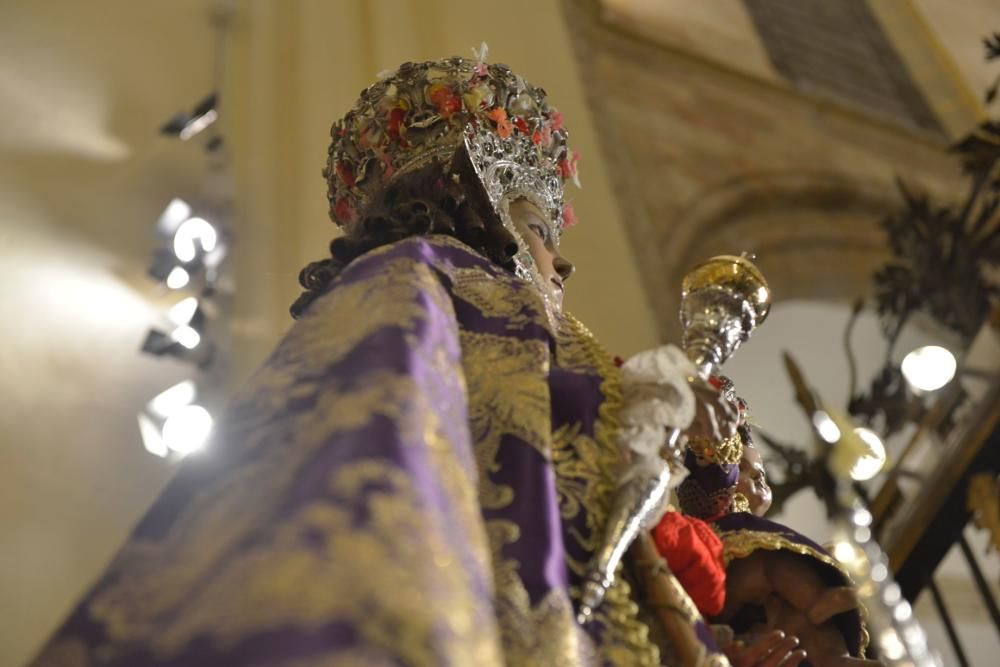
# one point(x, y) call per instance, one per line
point(879, 572)
point(868, 465)
point(194, 230)
point(186, 125)
point(176, 212)
point(152, 439)
point(173, 399)
point(178, 278)
point(186, 336)
point(183, 311)
point(826, 427)
point(902, 612)
point(929, 368)
point(198, 124)
point(188, 429)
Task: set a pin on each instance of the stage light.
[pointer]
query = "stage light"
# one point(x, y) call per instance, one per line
point(173, 399)
point(176, 212)
point(178, 278)
point(152, 439)
point(187, 125)
point(172, 422)
point(186, 336)
point(188, 429)
point(929, 368)
point(183, 311)
point(198, 124)
point(870, 464)
point(184, 342)
point(191, 231)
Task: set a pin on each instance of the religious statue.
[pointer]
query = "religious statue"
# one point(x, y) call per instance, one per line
point(424, 467)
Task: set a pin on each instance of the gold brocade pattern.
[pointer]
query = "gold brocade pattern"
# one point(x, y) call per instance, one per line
point(728, 451)
point(232, 563)
point(541, 635)
point(589, 482)
point(250, 552)
point(740, 503)
point(508, 395)
point(741, 543)
point(497, 296)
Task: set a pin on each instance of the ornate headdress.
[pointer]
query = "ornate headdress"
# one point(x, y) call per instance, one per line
point(426, 112)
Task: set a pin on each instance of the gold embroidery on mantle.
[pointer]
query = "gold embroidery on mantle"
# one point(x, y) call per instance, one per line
point(541, 635)
point(506, 380)
point(498, 296)
point(590, 485)
point(232, 564)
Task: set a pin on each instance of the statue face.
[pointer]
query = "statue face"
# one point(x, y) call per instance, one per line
point(753, 482)
point(534, 227)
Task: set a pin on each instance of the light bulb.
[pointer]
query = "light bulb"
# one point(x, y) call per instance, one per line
point(186, 336)
point(187, 430)
point(173, 399)
point(182, 311)
point(190, 231)
point(870, 464)
point(151, 438)
point(826, 427)
point(929, 368)
point(177, 278)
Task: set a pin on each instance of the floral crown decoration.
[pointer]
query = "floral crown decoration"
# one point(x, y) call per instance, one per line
point(425, 112)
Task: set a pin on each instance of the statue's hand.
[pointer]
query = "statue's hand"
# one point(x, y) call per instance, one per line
point(715, 416)
point(774, 649)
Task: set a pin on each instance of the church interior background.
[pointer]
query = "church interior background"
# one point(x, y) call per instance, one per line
point(775, 127)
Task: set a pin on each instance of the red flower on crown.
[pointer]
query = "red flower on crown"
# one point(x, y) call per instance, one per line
point(346, 173)
point(396, 127)
point(569, 216)
point(499, 116)
point(542, 137)
point(567, 166)
point(556, 119)
point(444, 99)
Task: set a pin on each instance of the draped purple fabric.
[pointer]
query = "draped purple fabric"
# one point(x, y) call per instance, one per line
point(417, 476)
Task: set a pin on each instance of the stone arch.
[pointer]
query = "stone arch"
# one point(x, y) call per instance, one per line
point(815, 234)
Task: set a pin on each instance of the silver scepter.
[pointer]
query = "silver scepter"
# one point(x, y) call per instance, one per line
point(722, 301)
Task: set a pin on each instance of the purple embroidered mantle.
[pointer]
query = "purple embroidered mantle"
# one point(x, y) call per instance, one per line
point(417, 476)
